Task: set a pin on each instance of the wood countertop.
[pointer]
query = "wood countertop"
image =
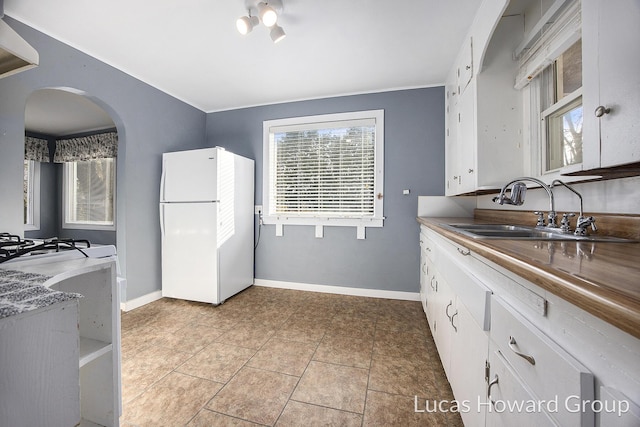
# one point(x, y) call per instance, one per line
point(602, 278)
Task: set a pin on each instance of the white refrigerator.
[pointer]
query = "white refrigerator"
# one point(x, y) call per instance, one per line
point(206, 224)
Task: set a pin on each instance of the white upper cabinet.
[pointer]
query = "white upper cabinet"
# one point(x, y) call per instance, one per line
point(611, 64)
point(514, 106)
point(483, 116)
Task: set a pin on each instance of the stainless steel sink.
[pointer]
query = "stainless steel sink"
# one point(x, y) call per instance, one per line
point(521, 232)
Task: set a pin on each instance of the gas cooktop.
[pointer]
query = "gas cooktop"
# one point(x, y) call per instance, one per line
point(13, 246)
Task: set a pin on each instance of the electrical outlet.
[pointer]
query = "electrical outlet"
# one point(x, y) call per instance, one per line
point(258, 209)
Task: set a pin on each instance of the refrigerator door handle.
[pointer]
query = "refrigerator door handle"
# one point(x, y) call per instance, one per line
point(162, 177)
point(161, 220)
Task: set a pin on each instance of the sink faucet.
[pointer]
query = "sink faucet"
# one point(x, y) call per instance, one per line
point(583, 221)
point(517, 197)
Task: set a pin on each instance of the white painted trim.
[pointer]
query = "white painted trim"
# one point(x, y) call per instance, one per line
point(270, 217)
point(340, 290)
point(140, 301)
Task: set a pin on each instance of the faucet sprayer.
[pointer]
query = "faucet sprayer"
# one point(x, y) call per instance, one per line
point(583, 221)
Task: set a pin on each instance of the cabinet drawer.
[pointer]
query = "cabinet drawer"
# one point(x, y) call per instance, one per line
point(549, 371)
point(426, 244)
point(507, 389)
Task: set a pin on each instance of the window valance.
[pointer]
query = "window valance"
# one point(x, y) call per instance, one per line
point(36, 149)
point(98, 146)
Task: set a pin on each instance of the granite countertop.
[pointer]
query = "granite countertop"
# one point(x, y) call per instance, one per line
point(22, 291)
point(602, 278)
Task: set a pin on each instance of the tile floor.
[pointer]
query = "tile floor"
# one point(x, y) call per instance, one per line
point(280, 357)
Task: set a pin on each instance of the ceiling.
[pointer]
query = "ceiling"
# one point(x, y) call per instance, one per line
point(191, 49)
point(60, 113)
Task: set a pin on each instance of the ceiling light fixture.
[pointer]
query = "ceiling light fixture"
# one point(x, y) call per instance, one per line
point(245, 24)
point(267, 14)
point(265, 11)
point(277, 33)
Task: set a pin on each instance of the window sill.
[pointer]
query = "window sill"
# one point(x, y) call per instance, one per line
point(334, 222)
point(95, 227)
point(319, 223)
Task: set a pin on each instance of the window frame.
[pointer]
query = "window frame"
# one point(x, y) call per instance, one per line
point(33, 191)
point(376, 220)
point(539, 91)
point(66, 202)
point(544, 133)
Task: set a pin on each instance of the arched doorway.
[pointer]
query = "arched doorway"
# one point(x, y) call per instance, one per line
point(73, 194)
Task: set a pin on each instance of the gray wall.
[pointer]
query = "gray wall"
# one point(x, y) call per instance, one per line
point(388, 258)
point(149, 122)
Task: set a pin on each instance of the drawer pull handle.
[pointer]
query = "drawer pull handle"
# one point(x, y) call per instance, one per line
point(446, 311)
point(512, 344)
point(465, 253)
point(491, 384)
point(452, 316)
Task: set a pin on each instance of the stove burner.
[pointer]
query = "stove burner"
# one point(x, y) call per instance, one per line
point(12, 246)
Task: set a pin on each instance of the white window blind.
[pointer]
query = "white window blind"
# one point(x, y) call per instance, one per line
point(90, 194)
point(553, 39)
point(324, 169)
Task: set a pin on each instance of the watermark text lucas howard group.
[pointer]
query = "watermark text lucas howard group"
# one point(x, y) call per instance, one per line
point(572, 404)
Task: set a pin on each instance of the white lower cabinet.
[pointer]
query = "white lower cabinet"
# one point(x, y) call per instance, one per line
point(73, 354)
point(455, 323)
point(503, 339)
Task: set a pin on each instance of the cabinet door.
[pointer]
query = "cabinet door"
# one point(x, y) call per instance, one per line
point(451, 138)
point(444, 308)
point(611, 36)
point(431, 302)
point(424, 274)
point(467, 141)
point(468, 367)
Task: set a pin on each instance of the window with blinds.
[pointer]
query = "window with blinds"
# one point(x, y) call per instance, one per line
point(89, 194)
point(31, 195)
point(550, 73)
point(324, 170)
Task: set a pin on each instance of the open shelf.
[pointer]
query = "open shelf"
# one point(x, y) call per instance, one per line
point(91, 349)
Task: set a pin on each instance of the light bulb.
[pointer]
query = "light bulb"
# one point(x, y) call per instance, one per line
point(268, 15)
point(245, 24)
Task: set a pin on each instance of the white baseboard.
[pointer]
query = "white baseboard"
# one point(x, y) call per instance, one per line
point(341, 290)
point(140, 301)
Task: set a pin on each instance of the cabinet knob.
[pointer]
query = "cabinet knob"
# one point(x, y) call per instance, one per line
point(470, 170)
point(464, 252)
point(602, 110)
